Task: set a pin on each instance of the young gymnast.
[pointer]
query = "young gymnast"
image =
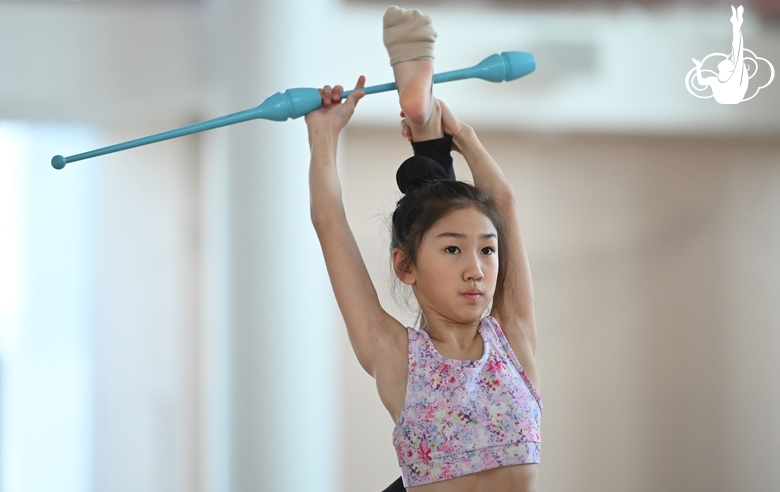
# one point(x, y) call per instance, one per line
point(462, 389)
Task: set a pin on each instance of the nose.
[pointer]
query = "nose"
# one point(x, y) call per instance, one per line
point(473, 268)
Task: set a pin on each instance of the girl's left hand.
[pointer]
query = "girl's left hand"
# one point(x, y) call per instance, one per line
point(450, 124)
point(333, 114)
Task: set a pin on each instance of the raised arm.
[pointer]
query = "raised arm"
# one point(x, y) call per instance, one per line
point(515, 308)
point(369, 327)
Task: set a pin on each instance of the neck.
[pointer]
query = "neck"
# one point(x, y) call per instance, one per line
point(457, 334)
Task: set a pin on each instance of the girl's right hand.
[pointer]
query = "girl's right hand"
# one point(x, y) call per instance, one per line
point(451, 125)
point(334, 115)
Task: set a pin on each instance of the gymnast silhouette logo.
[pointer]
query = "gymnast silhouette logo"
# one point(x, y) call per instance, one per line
point(730, 84)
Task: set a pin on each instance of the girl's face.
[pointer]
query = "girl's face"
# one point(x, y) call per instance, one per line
point(457, 265)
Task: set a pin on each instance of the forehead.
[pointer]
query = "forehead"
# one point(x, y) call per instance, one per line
point(467, 221)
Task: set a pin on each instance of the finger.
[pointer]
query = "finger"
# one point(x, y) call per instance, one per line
point(361, 82)
point(357, 95)
point(354, 97)
point(449, 121)
point(336, 95)
point(445, 111)
point(406, 132)
point(326, 94)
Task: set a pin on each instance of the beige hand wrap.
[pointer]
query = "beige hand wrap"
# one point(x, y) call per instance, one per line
point(408, 35)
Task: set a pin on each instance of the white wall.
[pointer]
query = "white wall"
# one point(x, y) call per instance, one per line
point(47, 238)
point(147, 323)
point(116, 65)
point(119, 72)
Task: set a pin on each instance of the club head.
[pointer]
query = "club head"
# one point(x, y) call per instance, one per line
point(517, 64)
point(509, 65)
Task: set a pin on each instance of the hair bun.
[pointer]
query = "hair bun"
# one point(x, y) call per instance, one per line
point(416, 171)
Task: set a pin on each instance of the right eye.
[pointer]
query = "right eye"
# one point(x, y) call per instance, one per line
point(451, 249)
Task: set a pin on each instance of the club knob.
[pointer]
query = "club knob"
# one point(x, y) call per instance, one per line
point(58, 162)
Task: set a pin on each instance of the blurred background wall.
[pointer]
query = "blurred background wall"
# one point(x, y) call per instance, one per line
point(166, 322)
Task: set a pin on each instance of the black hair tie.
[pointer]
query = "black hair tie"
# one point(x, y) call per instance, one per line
point(431, 161)
point(416, 171)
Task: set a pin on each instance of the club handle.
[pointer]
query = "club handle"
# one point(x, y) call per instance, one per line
point(292, 103)
point(58, 161)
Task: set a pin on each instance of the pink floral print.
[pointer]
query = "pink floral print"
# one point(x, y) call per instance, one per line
point(463, 416)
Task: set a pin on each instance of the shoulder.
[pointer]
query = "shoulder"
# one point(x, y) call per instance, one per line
point(512, 329)
point(493, 330)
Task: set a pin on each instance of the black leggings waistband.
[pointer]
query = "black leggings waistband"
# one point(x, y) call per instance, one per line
point(397, 486)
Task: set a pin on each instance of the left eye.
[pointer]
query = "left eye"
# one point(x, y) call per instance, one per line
point(488, 251)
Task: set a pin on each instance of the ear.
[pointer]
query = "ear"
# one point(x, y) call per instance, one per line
point(405, 275)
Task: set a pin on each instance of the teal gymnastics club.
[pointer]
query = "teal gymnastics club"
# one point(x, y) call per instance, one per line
point(294, 103)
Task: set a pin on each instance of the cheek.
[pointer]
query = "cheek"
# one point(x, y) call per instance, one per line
point(493, 267)
point(431, 273)
point(439, 274)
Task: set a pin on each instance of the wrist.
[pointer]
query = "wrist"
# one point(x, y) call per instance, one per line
point(323, 134)
point(461, 139)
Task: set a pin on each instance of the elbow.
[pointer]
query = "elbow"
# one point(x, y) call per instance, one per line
point(315, 216)
point(318, 219)
point(324, 219)
point(503, 195)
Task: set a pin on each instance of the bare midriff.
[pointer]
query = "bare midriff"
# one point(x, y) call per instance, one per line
point(515, 478)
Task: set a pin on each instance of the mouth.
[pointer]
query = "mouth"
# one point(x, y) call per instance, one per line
point(472, 295)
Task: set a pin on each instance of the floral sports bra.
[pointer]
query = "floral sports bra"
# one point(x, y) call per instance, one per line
point(465, 416)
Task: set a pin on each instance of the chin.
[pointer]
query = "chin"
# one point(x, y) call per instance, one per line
point(474, 315)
